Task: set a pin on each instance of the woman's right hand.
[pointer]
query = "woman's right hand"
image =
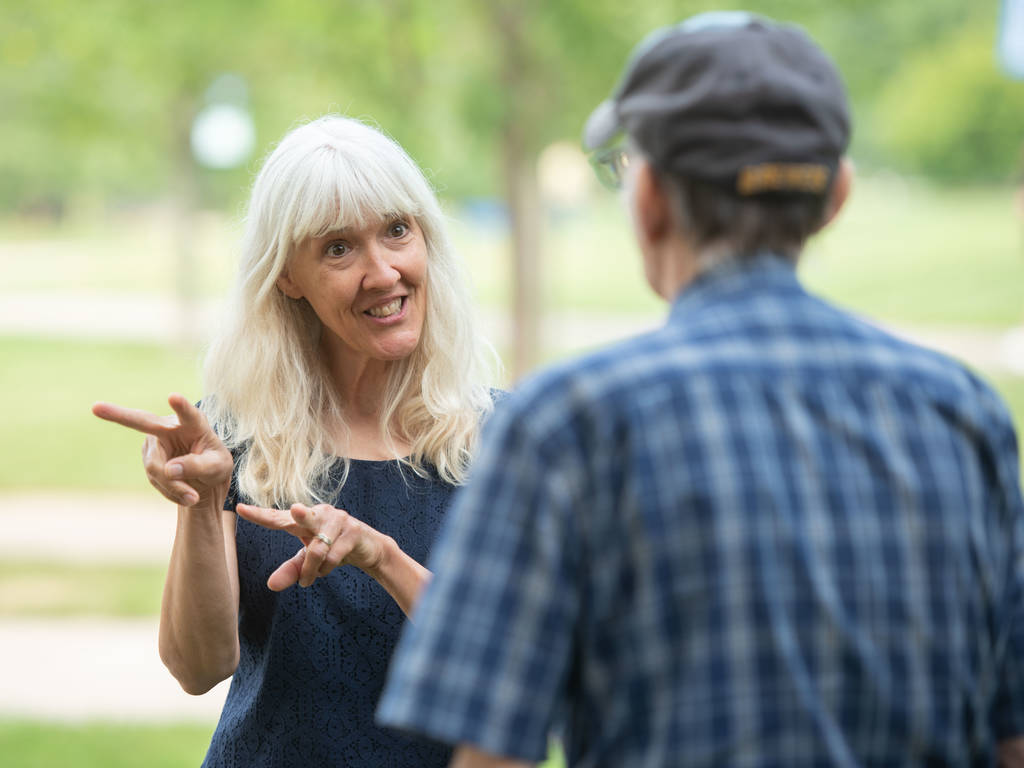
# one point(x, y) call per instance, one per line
point(183, 457)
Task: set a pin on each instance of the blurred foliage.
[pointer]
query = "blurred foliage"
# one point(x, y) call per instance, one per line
point(960, 120)
point(98, 97)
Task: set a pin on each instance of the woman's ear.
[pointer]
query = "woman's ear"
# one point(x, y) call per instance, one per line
point(287, 286)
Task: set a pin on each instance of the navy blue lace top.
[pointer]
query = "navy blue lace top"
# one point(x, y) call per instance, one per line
point(313, 661)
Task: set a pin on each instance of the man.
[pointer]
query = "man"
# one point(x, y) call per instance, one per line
point(767, 534)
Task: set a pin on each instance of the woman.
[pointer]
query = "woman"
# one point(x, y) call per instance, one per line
point(348, 379)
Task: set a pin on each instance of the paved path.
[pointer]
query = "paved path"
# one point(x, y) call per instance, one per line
point(86, 528)
point(93, 669)
point(90, 668)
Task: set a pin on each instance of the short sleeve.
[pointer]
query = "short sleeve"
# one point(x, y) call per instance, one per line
point(232, 499)
point(487, 654)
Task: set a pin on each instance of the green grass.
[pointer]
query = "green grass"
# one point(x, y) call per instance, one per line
point(1012, 390)
point(29, 588)
point(48, 436)
point(135, 252)
point(50, 440)
point(900, 251)
point(909, 253)
point(26, 744)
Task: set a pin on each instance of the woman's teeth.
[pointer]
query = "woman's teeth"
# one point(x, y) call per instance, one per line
point(386, 310)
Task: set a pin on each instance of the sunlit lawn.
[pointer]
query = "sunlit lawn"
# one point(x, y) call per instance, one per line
point(901, 250)
point(30, 744)
point(31, 588)
point(909, 253)
point(48, 436)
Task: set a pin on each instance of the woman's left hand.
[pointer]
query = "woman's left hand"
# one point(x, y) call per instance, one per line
point(331, 537)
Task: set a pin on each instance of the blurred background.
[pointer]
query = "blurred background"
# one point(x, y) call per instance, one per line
point(130, 131)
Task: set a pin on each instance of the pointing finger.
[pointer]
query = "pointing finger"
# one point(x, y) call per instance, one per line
point(143, 421)
point(275, 519)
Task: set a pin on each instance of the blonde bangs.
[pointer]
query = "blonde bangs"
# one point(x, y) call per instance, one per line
point(339, 194)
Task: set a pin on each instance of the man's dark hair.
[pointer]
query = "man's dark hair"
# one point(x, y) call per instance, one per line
point(712, 216)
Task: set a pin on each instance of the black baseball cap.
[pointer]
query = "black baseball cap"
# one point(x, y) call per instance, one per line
point(731, 98)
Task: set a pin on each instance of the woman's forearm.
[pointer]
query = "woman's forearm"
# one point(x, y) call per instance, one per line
point(402, 577)
point(199, 612)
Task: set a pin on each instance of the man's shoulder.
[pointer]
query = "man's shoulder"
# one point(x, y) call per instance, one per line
point(594, 385)
point(598, 372)
point(769, 340)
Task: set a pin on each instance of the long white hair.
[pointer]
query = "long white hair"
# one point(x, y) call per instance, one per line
point(268, 392)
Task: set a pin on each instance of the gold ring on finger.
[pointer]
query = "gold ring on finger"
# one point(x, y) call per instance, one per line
point(325, 539)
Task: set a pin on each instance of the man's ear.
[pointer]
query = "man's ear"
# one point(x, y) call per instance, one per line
point(840, 191)
point(652, 204)
point(287, 286)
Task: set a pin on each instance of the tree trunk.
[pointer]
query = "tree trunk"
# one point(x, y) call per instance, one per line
point(186, 194)
point(521, 190)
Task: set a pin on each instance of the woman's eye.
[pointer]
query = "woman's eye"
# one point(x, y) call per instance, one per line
point(398, 229)
point(337, 250)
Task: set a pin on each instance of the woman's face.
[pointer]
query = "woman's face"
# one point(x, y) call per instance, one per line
point(367, 286)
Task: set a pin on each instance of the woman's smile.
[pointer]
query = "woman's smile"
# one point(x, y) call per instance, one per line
point(391, 310)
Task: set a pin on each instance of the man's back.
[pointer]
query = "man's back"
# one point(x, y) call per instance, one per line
point(802, 553)
point(767, 534)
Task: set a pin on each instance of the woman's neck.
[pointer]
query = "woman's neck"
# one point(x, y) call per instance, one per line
point(359, 380)
point(360, 383)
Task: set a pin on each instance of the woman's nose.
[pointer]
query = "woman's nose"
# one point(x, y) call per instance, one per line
point(380, 269)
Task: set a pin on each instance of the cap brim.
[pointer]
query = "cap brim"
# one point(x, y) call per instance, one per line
point(601, 126)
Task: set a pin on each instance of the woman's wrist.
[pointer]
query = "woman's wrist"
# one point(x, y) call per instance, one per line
point(387, 550)
point(399, 574)
point(206, 505)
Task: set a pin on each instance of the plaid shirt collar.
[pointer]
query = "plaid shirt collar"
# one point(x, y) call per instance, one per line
point(765, 271)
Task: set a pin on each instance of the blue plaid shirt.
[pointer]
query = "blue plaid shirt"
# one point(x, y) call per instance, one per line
point(767, 534)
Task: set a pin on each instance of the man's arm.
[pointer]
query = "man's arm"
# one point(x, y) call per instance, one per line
point(470, 757)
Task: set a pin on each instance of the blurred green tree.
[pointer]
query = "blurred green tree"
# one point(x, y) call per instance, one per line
point(98, 97)
point(950, 113)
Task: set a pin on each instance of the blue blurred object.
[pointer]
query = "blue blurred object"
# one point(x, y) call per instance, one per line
point(489, 214)
point(1011, 38)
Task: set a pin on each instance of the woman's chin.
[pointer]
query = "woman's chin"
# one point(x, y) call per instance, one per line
point(397, 349)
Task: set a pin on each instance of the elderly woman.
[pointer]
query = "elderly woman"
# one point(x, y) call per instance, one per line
point(348, 384)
